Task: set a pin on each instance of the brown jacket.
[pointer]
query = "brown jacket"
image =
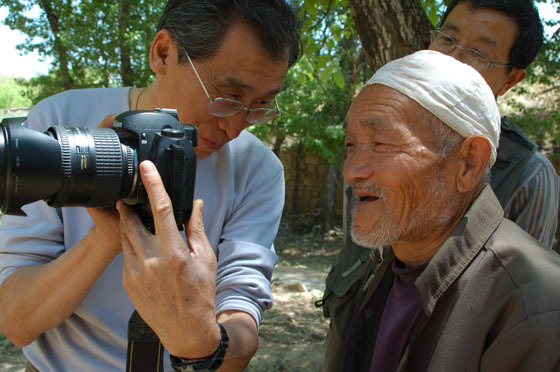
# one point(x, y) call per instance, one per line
point(490, 302)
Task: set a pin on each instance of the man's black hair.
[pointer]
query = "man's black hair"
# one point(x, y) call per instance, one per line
point(530, 30)
point(199, 26)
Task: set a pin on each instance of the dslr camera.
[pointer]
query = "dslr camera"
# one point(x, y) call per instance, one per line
point(95, 167)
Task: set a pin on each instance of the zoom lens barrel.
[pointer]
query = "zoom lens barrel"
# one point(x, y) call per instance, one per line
point(96, 167)
point(65, 166)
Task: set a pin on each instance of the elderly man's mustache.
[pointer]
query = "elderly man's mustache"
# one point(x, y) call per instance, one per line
point(363, 189)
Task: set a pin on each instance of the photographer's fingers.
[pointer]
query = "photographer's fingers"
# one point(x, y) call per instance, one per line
point(131, 229)
point(160, 203)
point(196, 236)
point(130, 263)
point(107, 121)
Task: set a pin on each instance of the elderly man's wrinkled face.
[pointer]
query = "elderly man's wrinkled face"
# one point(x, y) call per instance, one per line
point(403, 186)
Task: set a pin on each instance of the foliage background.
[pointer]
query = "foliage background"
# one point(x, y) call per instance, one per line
point(103, 44)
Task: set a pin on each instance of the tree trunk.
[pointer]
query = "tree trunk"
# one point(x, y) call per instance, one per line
point(295, 199)
point(279, 137)
point(390, 29)
point(126, 64)
point(278, 141)
point(60, 48)
point(328, 197)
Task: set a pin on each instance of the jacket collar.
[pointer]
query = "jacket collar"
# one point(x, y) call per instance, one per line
point(458, 251)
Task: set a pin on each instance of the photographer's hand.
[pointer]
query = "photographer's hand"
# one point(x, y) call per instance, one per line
point(172, 286)
point(108, 121)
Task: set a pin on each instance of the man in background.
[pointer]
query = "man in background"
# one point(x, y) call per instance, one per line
point(500, 39)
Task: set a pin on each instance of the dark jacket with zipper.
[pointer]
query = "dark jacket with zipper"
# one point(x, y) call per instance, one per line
point(490, 301)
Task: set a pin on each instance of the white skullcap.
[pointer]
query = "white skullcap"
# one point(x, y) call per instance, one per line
point(451, 90)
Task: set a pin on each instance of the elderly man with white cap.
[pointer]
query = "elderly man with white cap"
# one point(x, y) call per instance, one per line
point(454, 286)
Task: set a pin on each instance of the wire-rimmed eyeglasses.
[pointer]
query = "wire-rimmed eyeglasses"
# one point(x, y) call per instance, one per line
point(444, 43)
point(226, 107)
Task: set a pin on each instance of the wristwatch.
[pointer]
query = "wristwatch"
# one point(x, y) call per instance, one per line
point(209, 363)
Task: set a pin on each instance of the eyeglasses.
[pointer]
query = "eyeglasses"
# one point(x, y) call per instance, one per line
point(226, 107)
point(445, 44)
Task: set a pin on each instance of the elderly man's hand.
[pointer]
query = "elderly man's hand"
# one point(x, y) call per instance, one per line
point(171, 285)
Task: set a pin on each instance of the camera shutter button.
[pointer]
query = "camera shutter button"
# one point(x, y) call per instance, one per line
point(172, 133)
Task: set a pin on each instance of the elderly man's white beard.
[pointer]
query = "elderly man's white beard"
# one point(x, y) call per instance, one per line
point(435, 211)
point(383, 234)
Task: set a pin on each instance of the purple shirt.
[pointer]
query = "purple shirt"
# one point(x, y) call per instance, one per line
point(398, 317)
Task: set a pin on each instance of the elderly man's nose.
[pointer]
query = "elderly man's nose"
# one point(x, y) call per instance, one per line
point(357, 167)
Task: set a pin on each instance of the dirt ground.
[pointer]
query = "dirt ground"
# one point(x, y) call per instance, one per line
point(292, 333)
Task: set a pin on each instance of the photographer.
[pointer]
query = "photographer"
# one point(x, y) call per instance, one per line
point(71, 277)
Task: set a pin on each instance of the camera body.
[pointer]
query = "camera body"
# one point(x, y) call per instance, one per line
point(158, 136)
point(95, 167)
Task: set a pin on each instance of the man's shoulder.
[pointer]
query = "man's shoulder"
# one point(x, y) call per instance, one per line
point(519, 165)
point(533, 269)
point(514, 133)
point(247, 148)
point(247, 138)
point(84, 96)
point(244, 160)
point(78, 107)
point(541, 160)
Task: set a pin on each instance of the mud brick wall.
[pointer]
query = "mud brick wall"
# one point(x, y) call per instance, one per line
point(312, 174)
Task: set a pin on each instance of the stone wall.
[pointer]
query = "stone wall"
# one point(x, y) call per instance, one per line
point(312, 174)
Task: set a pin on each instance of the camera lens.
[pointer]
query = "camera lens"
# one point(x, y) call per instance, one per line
point(29, 167)
point(97, 169)
point(65, 166)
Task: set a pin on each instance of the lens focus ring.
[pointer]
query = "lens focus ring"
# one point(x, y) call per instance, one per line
point(109, 168)
point(92, 162)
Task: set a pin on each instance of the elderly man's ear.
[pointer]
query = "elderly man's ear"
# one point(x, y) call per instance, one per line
point(473, 160)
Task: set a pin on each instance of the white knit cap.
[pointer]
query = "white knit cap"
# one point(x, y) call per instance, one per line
point(451, 90)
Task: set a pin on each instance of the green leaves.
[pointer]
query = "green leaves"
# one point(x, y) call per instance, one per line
point(92, 43)
point(434, 9)
point(317, 94)
point(338, 79)
point(12, 95)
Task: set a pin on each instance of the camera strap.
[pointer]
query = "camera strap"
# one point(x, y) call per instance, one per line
point(145, 351)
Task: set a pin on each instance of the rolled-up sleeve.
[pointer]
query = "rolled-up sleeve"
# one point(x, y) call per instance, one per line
point(245, 251)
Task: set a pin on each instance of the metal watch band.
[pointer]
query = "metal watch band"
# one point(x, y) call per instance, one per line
point(209, 363)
